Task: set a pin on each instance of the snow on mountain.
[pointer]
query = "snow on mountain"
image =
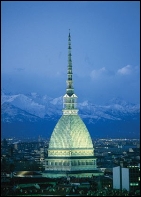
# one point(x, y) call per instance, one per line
point(57, 101)
point(42, 106)
point(35, 114)
point(25, 103)
point(84, 103)
point(11, 113)
point(38, 98)
point(112, 110)
point(7, 98)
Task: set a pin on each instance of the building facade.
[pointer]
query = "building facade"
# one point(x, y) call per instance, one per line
point(126, 178)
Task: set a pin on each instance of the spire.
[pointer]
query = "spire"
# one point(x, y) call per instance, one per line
point(69, 89)
point(70, 99)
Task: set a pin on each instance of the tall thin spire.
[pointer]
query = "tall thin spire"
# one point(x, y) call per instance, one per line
point(70, 99)
point(69, 89)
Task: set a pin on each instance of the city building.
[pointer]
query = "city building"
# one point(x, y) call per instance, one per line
point(126, 178)
point(70, 151)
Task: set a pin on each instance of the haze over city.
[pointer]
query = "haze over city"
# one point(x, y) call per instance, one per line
point(105, 48)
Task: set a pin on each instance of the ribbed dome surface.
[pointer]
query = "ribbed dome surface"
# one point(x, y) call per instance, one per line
point(70, 132)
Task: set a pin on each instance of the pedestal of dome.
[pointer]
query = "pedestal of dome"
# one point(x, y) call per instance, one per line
point(78, 166)
point(70, 163)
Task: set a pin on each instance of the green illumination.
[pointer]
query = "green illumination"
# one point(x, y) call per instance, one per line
point(134, 184)
point(70, 132)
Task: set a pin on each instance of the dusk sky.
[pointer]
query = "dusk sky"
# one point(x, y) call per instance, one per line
point(105, 39)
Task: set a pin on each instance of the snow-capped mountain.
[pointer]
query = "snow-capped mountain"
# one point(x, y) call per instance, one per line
point(33, 108)
point(10, 113)
point(32, 103)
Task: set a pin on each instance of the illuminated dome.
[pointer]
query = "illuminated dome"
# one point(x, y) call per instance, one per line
point(70, 132)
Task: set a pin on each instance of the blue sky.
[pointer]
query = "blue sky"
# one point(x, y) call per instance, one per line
point(105, 48)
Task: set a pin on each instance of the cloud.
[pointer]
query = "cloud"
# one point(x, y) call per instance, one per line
point(98, 73)
point(127, 70)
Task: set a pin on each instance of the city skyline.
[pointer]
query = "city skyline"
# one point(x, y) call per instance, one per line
point(105, 48)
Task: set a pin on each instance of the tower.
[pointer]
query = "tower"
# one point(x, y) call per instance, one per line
point(70, 151)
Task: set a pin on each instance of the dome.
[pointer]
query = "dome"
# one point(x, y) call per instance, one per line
point(70, 133)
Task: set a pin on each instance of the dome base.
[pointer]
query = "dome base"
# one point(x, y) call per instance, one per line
point(70, 164)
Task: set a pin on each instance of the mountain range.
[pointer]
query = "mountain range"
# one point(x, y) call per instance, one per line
point(33, 115)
